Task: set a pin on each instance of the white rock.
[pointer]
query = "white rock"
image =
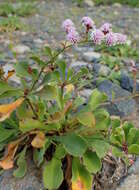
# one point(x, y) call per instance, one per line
point(91, 56)
point(89, 3)
point(14, 79)
point(38, 41)
point(20, 49)
point(85, 93)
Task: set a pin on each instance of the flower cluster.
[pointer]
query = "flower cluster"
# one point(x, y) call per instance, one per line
point(69, 28)
point(97, 36)
point(88, 23)
point(106, 28)
point(103, 34)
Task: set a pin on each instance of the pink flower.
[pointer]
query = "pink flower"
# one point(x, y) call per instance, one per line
point(73, 36)
point(106, 28)
point(111, 39)
point(88, 23)
point(68, 25)
point(121, 38)
point(97, 36)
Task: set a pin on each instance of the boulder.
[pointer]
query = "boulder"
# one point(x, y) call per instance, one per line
point(121, 108)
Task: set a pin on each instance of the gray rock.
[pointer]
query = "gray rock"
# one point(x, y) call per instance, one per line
point(101, 70)
point(121, 108)
point(128, 83)
point(31, 181)
point(130, 183)
point(80, 64)
point(21, 49)
point(134, 168)
point(91, 56)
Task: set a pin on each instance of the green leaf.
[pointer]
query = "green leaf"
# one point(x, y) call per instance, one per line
point(60, 152)
point(4, 87)
point(131, 135)
point(100, 146)
point(133, 149)
point(48, 92)
point(22, 165)
point(96, 98)
point(38, 154)
point(48, 51)
point(29, 124)
point(73, 144)
point(53, 174)
point(62, 66)
point(38, 60)
point(6, 133)
point(80, 176)
point(22, 69)
point(118, 137)
point(92, 162)
point(117, 152)
point(127, 126)
point(102, 119)
point(86, 119)
point(115, 122)
point(12, 93)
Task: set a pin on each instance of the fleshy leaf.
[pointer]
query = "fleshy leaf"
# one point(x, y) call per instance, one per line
point(92, 162)
point(81, 178)
point(22, 165)
point(53, 174)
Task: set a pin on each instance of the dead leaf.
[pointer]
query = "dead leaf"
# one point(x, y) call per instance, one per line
point(67, 107)
point(10, 73)
point(39, 140)
point(7, 109)
point(78, 185)
point(8, 161)
point(69, 88)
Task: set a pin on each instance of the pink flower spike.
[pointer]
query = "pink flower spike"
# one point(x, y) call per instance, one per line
point(68, 25)
point(88, 23)
point(106, 28)
point(97, 36)
point(111, 39)
point(73, 37)
point(121, 38)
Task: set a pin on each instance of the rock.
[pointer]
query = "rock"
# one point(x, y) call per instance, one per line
point(134, 169)
point(118, 5)
point(31, 181)
point(103, 70)
point(91, 56)
point(21, 49)
point(80, 64)
point(38, 41)
point(86, 93)
point(128, 83)
point(130, 183)
point(121, 108)
point(14, 80)
point(89, 3)
point(2, 62)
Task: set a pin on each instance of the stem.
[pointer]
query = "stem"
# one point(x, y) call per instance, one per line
point(31, 106)
point(53, 59)
point(68, 173)
point(134, 87)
